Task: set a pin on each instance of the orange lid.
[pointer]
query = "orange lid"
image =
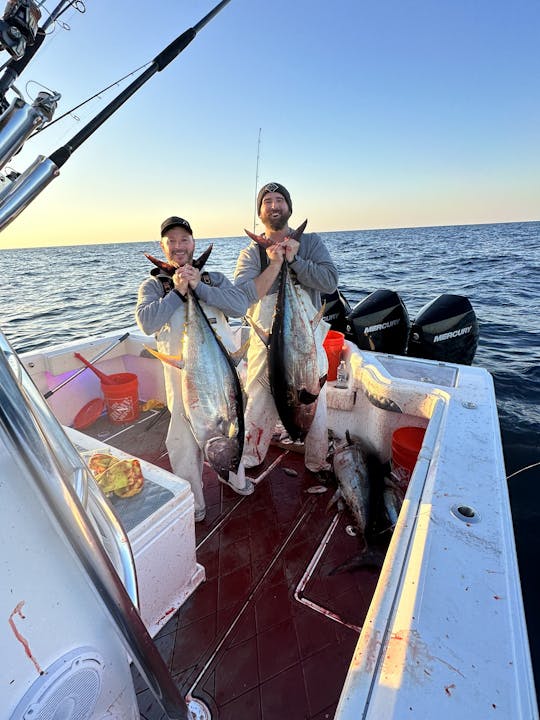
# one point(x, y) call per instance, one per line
point(89, 413)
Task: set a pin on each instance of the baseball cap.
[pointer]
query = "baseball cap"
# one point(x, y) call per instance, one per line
point(175, 221)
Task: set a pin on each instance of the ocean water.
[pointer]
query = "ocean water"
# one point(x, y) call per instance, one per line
point(50, 295)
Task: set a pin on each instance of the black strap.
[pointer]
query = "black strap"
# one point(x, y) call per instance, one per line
point(166, 283)
point(263, 256)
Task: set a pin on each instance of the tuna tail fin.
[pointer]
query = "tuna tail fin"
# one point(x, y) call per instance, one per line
point(259, 239)
point(176, 361)
point(297, 234)
point(200, 262)
point(170, 269)
point(368, 558)
point(167, 268)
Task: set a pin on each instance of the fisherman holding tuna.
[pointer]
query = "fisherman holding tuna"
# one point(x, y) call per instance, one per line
point(286, 360)
point(186, 311)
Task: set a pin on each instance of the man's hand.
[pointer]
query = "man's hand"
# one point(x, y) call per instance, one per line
point(291, 248)
point(186, 276)
point(275, 254)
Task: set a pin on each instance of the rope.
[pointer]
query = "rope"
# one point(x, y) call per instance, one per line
point(528, 467)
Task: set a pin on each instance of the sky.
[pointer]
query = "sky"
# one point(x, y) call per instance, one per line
point(395, 113)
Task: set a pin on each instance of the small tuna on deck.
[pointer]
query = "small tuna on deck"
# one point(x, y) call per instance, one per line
point(354, 485)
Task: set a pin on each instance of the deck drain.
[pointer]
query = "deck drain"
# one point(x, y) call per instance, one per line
point(198, 710)
point(466, 513)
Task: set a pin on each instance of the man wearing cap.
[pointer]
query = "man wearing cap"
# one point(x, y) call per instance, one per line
point(160, 311)
point(314, 273)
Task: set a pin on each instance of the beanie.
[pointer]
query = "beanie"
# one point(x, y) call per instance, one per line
point(273, 187)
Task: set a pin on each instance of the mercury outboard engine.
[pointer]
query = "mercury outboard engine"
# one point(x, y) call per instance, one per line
point(336, 310)
point(445, 329)
point(380, 322)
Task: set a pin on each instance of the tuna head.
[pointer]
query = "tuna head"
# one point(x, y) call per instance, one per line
point(223, 454)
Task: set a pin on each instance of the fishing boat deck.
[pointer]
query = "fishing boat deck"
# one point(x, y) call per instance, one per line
point(271, 632)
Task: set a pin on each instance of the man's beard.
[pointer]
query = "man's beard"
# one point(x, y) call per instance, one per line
point(277, 223)
point(180, 262)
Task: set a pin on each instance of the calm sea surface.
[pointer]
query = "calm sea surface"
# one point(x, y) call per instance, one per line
point(50, 295)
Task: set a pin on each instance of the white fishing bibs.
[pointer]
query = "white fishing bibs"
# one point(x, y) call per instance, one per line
point(261, 415)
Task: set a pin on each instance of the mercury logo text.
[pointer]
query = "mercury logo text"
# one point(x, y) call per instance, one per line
point(453, 334)
point(381, 326)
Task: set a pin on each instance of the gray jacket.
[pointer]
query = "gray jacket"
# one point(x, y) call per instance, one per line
point(154, 307)
point(313, 268)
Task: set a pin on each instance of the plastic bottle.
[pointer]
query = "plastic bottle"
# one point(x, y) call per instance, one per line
point(342, 380)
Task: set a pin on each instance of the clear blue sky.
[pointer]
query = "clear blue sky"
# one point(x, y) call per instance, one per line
point(373, 114)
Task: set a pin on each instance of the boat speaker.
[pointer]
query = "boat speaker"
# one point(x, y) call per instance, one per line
point(445, 329)
point(380, 323)
point(336, 309)
point(68, 689)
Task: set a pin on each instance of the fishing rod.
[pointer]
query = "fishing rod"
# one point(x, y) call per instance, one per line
point(16, 197)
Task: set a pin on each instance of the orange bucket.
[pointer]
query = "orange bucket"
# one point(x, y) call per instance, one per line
point(122, 397)
point(333, 344)
point(406, 444)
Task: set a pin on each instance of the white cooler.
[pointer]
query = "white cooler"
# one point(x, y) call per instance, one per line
point(161, 529)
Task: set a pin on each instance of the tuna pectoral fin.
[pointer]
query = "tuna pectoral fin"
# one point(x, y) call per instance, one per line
point(335, 500)
point(261, 332)
point(239, 354)
point(176, 361)
point(305, 397)
point(317, 319)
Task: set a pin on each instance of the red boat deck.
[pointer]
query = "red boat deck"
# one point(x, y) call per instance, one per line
point(271, 632)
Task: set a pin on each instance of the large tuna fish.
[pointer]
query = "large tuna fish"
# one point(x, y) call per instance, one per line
point(354, 485)
point(211, 389)
point(293, 367)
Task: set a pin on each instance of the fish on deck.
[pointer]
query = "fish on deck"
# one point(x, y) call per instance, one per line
point(359, 478)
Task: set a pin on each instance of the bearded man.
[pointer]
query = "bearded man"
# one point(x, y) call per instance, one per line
point(314, 273)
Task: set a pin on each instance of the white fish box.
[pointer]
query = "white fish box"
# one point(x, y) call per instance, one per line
point(161, 529)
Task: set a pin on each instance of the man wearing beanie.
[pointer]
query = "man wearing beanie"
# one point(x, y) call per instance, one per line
point(314, 273)
point(160, 311)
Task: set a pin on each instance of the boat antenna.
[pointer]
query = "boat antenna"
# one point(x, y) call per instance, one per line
point(15, 198)
point(257, 179)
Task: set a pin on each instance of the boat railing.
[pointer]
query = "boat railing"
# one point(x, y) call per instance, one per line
point(59, 477)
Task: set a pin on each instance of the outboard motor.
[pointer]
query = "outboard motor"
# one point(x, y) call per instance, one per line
point(445, 329)
point(336, 310)
point(380, 322)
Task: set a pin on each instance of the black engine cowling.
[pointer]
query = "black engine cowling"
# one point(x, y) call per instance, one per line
point(336, 310)
point(380, 322)
point(445, 329)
